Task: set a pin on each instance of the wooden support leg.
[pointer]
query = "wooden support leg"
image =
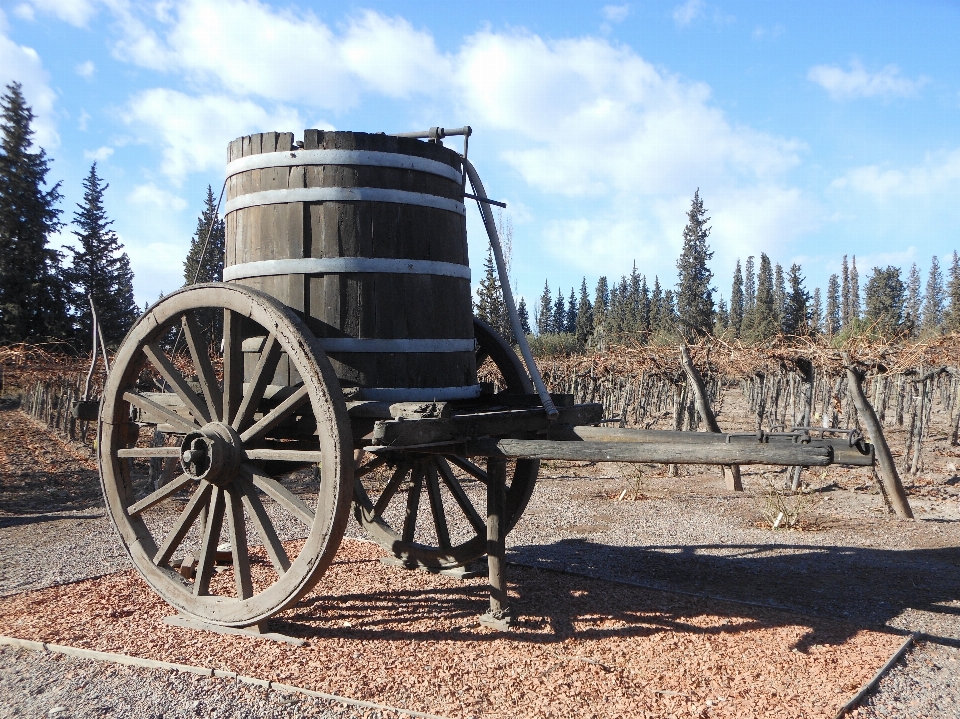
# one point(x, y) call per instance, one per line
point(499, 615)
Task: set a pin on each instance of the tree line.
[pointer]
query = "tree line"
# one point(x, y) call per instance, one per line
point(766, 300)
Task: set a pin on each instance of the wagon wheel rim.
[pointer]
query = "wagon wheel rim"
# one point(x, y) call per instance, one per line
point(232, 470)
point(424, 514)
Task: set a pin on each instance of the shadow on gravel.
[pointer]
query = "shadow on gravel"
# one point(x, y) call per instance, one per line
point(866, 587)
point(37, 518)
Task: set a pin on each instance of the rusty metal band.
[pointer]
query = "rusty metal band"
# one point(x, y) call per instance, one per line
point(344, 265)
point(419, 394)
point(353, 344)
point(369, 158)
point(342, 194)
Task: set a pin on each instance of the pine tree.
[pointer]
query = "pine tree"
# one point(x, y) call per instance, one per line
point(212, 250)
point(644, 319)
point(952, 314)
point(722, 317)
point(736, 301)
point(571, 317)
point(584, 321)
point(764, 324)
point(34, 298)
point(779, 295)
point(911, 319)
point(816, 312)
point(656, 306)
point(524, 317)
point(601, 300)
point(694, 295)
point(885, 299)
point(100, 268)
point(558, 319)
point(490, 306)
point(845, 294)
point(934, 299)
point(634, 302)
point(796, 313)
point(749, 296)
point(545, 312)
point(667, 320)
point(855, 312)
point(833, 320)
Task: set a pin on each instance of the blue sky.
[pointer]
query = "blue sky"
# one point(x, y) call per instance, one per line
point(811, 129)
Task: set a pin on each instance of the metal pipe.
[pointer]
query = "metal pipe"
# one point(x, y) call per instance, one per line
point(491, 227)
point(436, 133)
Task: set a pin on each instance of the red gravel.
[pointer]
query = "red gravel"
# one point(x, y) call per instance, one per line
point(582, 647)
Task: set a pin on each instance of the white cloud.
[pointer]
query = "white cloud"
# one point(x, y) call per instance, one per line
point(764, 33)
point(858, 82)
point(615, 13)
point(940, 172)
point(83, 121)
point(252, 49)
point(194, 130)
point(688, 12)
point(24, 12)
point(75, 12)
point(86, 69)
point(150, 194)
point(100, 154)
point(23, 64)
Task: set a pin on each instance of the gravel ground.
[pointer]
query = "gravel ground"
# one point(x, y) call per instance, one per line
point(684, 534)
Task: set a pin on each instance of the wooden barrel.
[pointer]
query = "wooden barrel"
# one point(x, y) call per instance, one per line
point(365, 236)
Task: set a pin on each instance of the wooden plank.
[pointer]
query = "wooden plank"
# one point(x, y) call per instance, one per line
point(775, 454)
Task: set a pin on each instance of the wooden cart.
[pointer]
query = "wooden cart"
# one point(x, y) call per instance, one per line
point(337, 368)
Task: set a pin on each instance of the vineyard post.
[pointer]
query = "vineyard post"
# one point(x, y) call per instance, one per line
point(888, 470)
point(731, 472)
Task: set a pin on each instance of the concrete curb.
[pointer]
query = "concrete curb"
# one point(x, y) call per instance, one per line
point(154, 664)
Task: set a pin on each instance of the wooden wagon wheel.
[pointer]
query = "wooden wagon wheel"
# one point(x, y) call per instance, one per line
point(457, 533)
point(233, 450)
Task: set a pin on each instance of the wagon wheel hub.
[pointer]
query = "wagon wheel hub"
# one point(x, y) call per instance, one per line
point(213, 453)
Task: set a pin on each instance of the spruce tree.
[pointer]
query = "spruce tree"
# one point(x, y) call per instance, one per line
point(34, 298)
point(816, 312)
point(885, 296)
point(558, 319)
point(656, 306)
point(524, 317)
point(694, 295)
point(584, 321)
point(796, 312)
point(545, 312)
point(571, 316)
point(914, 302)
point(749, 295)
point(855, 312)
point(644, 319)
point(764, 321)
point(833, 320)
point(722, 317)
point(490, 306)
point(934, 299)
point(100, 268)
point(736, 301)
point(601, 300)
point(845, 294)
point(667, 320)
point(212, 250)
point(779, 295)
point(952, 314)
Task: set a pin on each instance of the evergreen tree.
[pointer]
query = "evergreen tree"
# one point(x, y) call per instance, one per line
point(722, 317)
point(796, 313)
point(545, 312)
point(952, 314)
point(571, 316)
point(656, 306)
point(764, 321)
point(100, 268)
point(212, 250)
point(490, 306)
point(845, 294)
point(667, 321)
point(885, 299)
point(584, 321)
point(816, 312)
point(736, 301)
point(558, 321)
point(634, 302)
point(779, 295)
point(911, 319)
point(833, 320)
point(750, 286)
point(34, 298)
point(934, 299)
point(601, 300)
point(524, 317)
point(694, 295)
point(644, 326)
point(855, 312)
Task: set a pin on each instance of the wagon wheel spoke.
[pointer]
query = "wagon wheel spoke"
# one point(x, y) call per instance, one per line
point(453, 484)
point(236, 528)
point(211, 537)
point(279, 494)
point(413, 506)
point(186, 519)
point(391, 489)
point(147, 452)
point(262, 374)
point(201, 362)
point(232, 365)
point(314, 456)
point(469, 467)
point(264, 528)
point(436, 506)
point(176, 380)
point(277, 415)
point(172, 418)
point(161, 494)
